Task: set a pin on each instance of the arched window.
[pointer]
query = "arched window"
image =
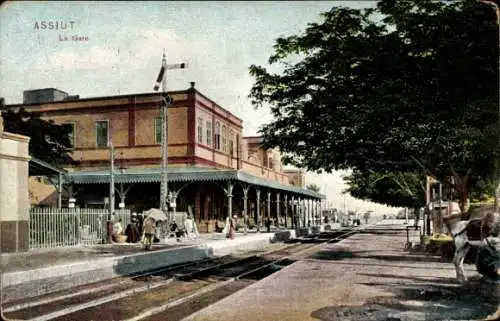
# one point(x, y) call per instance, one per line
point(231, 143)
point(209, 133)
point(217, 136)
point(200, 130)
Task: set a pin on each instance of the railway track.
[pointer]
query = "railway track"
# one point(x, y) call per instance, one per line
point(170, 293)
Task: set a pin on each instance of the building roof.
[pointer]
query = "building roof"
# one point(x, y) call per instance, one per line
point(97, 98)
point(101, 98)
point(44, 89)
point(181, 174)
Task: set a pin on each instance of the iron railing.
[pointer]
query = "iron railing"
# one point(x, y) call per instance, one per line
point(62, 227)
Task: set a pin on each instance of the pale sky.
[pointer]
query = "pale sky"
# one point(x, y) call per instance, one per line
point(218, 39)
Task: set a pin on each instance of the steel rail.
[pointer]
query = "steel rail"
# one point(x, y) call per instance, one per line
point(172, 303)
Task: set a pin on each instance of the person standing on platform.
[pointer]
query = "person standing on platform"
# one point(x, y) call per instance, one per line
point(268, 224)
point(149, 232)
point(232, 227)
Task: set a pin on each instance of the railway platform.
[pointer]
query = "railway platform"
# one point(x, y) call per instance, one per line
point(174, 290)
point(368, 276)
point(42, 271)
point(362, 273)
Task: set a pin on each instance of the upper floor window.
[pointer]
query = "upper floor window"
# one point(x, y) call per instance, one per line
point(158, 125)
point(209, 133)
point(270, 163)
point(217, 136)
point(102, 133)
point(224, 139)
point(71, 133)
point(200, 130)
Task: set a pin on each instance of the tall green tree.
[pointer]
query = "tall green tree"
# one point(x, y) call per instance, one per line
point(49, 142)
point(410, 85)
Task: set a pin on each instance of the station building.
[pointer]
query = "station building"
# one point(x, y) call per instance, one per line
point(212, 167)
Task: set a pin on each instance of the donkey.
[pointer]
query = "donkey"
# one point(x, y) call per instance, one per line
point(465, 232)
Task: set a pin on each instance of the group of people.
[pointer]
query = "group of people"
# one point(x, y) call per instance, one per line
point(132, 231)
point(146, 229)
point(148, 226)
point(231, 226)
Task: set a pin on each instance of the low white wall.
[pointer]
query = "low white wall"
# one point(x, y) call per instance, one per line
point(14, 193)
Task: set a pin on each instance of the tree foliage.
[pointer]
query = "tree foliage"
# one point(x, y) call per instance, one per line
point(313, 187)
point(48, 141)
point(391, 188)
point(400, 189)
point(410, 85)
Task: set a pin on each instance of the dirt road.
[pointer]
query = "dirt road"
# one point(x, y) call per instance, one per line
point(366, 277)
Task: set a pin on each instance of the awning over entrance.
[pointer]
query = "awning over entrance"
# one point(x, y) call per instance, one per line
point(55, 175)
point(38, 167)
point(181, 174)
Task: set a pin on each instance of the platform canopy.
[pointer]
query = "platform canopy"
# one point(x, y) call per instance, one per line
point(181, 174)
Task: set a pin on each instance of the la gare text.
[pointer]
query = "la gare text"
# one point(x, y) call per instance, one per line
point(73, 38)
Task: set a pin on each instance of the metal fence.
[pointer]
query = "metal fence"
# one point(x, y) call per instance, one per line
point(54, 227)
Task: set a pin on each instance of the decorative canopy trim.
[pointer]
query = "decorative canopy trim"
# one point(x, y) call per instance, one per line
point(181, 174)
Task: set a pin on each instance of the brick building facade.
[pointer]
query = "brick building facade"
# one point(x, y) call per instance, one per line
point(201, 134)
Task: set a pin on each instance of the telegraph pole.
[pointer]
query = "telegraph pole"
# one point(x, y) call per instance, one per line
point(164, 135)
point(165, 101)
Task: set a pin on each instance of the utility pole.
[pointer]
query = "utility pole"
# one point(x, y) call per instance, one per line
point(495, 7)
point(165, 101)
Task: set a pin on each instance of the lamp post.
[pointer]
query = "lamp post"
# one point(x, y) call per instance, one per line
point(109, 225)
point(122, 171)
point(494, 5)
point(112, 181)
point(165, 101)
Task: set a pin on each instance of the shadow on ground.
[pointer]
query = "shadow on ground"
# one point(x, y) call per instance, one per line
point(408, 298)
point(419, 302)
point(339, 254)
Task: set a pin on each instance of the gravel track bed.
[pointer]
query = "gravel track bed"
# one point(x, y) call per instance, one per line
point(128, 307)
point(32, 312)
point(185, 309)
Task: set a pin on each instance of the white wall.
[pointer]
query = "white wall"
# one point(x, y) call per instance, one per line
point(14, 192)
